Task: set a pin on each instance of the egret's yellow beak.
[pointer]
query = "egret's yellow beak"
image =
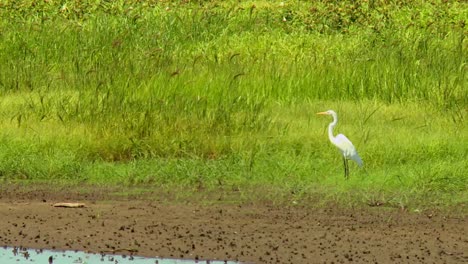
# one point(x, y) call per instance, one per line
point(322, 113)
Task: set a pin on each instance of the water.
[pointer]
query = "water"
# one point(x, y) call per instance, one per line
point(10, 255)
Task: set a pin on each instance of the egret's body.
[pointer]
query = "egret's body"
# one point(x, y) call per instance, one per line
point(342, 143)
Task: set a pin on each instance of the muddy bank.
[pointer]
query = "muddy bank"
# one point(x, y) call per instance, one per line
point(257, 233)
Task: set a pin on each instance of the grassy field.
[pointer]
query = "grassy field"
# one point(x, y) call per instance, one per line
point(222, 95)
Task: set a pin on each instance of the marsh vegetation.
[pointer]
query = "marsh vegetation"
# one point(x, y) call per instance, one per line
point(222, 94)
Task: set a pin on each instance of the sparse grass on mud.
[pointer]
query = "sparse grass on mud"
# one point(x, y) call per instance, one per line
point(222, 94)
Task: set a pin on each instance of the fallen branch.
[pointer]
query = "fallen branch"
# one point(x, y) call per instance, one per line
point(69, 205)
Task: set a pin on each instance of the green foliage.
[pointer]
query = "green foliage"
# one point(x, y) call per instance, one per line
point(222, 93)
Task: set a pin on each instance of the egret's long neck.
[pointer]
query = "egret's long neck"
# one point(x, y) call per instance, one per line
point(331, 126)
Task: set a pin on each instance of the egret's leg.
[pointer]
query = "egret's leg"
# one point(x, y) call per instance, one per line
point(345, 164)
point(347, 169)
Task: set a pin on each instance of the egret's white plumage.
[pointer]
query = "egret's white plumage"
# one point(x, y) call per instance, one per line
point(342, 143)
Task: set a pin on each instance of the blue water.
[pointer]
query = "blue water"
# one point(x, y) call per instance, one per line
point(10, 255)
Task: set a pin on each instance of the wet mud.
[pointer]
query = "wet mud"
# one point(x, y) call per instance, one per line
point(253, 233)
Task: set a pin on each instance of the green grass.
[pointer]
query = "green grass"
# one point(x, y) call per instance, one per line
point(209, 95)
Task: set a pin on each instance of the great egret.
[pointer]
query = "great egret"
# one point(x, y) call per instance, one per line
point(342, 143)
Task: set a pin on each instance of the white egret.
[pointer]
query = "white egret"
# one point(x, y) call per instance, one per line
point(342, 143)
